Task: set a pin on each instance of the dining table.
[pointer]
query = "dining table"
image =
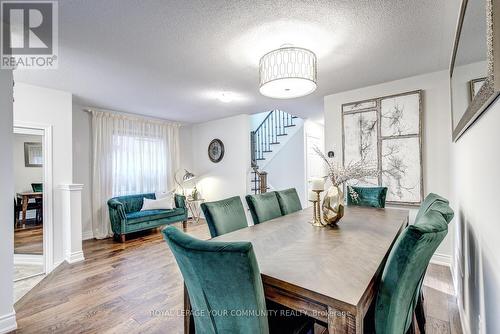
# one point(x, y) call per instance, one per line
point(329, 273)
point(25, 197)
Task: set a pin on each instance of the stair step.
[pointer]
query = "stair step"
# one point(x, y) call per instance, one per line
point(282, 134)
point(288, 126)
point(275, 143)
point(295, 117)
point(260, 159)
point(266, 151)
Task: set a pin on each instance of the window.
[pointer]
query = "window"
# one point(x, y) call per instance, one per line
point(139, 164)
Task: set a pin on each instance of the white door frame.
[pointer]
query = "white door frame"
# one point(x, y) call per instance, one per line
point(48, 218)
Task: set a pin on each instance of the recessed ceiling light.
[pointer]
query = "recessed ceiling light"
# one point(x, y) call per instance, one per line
point(225, 97)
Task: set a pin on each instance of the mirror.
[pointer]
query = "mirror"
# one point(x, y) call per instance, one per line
point(473, 80)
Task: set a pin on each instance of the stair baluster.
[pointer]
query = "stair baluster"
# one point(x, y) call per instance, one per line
point(273, 126)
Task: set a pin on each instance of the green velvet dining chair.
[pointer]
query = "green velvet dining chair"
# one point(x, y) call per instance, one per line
point(263, 207)
point(225, 287)
point(429, 200)
point(404, 270)
point(437, 203)
point(37, 187)
point(224, 216)
point(289, 201)
point(366, 196)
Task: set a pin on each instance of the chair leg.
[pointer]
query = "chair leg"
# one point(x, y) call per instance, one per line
point(420, 313)
point(184, 225)
point(413, 326)
point(122, 238)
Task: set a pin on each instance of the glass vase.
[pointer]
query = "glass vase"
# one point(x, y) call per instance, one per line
point(333, 205)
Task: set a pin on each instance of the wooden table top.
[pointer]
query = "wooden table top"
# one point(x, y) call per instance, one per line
point(338, 264)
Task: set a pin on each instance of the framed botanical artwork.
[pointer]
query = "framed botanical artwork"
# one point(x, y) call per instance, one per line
point(386, 132)
point(33, 155)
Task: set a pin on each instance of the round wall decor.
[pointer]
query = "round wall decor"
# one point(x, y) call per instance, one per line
point(216, 150)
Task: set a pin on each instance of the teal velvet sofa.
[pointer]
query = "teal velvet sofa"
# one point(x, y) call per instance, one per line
point(126, 215)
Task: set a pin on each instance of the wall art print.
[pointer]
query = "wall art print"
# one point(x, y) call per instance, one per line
point(386, 132)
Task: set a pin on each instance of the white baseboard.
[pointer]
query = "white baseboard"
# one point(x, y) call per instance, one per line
point(75, 257)
point(87, 235)
point(28, 259)
point(8, 322)
point(441, 259)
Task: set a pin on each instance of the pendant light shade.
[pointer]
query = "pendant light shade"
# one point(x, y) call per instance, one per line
point(288, 72)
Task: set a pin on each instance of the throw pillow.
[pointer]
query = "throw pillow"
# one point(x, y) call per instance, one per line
point(165, 203)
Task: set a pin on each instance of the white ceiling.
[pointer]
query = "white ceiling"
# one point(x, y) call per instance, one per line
point(169, 59)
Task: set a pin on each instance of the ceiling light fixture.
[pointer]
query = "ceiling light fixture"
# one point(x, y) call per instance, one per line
point(288, 72)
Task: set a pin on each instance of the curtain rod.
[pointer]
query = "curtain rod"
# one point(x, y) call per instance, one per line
point(132, 116)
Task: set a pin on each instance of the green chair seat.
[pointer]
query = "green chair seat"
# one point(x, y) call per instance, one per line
point(289, 201)
point(224, 216)
point(148, 215)
point(367, 196)
point(224, 285)
point(263, 207)
point(405, 267)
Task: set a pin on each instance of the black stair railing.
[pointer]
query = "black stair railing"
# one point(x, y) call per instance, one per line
point(268, 133)
point(262, 139)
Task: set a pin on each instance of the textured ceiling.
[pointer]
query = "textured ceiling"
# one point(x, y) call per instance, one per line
point(169, 59)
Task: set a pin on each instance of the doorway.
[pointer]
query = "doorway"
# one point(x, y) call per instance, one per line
point(32, 208)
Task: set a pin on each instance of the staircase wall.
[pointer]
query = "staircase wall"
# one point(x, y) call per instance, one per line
point(286, 169)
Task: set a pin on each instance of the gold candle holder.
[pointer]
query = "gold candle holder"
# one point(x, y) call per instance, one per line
point(315, 218)
point(317, 210)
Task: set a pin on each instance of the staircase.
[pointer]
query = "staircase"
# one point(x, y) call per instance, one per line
point(264, 141)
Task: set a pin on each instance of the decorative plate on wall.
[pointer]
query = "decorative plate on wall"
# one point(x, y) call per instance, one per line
point(216, 150)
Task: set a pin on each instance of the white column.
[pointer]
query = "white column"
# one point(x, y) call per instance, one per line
point(71, 197)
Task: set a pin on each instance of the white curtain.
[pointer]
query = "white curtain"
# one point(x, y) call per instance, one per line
point(131, 155)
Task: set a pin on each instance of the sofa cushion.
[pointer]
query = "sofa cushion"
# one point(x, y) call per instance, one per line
point(166, 203)
point(149, 215)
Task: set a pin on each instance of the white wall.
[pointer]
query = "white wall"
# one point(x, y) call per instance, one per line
point(51, 107)
point(227, 178)
point(25, 176)
point(476, 163)
point(436, 131)
point(287, 167)
point(7, 316)
point(82, 164)
point(476, 166)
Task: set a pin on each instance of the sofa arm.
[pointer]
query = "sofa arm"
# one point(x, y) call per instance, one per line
point(116, 215)
point(180, 201)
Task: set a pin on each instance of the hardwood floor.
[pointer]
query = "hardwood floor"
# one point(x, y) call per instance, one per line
point(136, 287)
point(28, 240)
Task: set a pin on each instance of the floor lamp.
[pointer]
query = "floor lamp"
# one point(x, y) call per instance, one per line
point(186, 177)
